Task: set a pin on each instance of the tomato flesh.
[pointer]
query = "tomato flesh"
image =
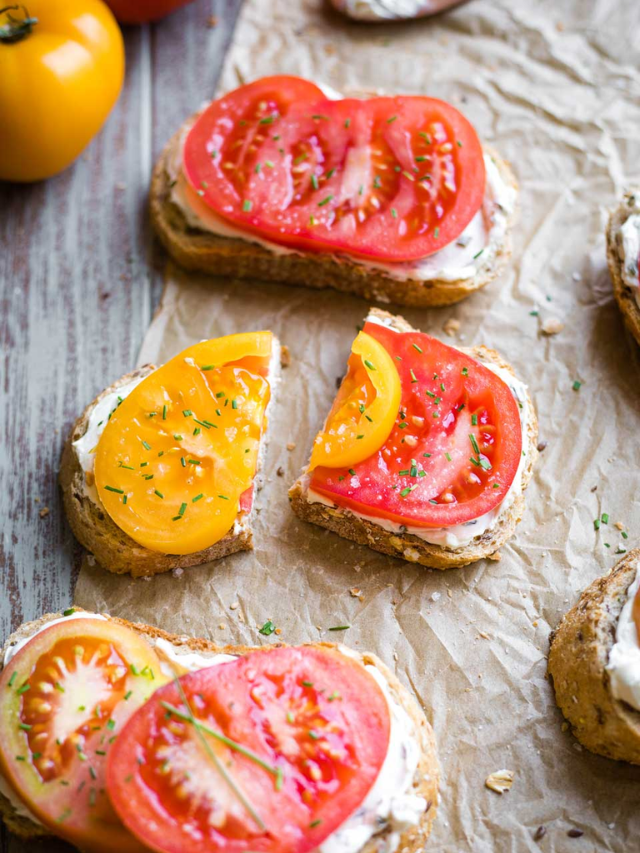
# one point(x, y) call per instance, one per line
point(313, 715)
point(392, 179)
point(455, 447)
point(64, 699)
point(178, 456)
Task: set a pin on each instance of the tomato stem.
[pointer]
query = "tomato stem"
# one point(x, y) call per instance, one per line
point(15, 29)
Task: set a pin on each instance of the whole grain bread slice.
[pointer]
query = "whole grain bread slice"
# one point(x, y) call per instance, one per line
point(406, 545)
point(427, 775)
point(625, 297)
point(198, 250)
point(112, 548)
point(578, 656)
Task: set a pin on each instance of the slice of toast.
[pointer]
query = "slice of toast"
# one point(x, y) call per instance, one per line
point(198, 250)
point(624, 294)
point(426, 779)
point(114, 549)
point(407, 546)
point(578, 655)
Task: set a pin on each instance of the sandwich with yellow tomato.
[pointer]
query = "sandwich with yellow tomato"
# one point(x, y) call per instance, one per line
point(160, 470)
point(121, 737)
point(391, 198)
point(426, 452)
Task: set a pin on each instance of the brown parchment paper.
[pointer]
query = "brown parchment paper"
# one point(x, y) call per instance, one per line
point(555, 87)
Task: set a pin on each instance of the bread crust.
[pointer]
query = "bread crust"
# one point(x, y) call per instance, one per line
point(406, 545)
point(578, 654)
point(198, 250)
point(426, 779)
point(615, 260)
point(113, 549)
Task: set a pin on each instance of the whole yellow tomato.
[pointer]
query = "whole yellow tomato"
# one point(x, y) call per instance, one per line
point(61, 71)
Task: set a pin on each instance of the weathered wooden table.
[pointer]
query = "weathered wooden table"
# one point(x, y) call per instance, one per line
point(79, 281)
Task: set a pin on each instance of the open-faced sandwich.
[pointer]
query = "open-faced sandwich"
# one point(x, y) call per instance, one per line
point(623, 257)
point(426, 452)
point(160, 469)
point(120, 737)
point(391, 198)
point(594, 662)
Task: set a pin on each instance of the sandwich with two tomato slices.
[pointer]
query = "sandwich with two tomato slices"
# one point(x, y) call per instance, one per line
point(120, 737)
point(426, 452)
point(390, 198)
point(161, 469)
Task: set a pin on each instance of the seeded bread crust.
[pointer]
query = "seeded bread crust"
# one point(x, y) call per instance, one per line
point(426, 780)
point(198, 250)
point(113, 549)
point(405, 545)
point(579, 652)
point(615, 260)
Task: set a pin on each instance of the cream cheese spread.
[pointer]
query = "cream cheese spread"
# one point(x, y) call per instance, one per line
point(390, 803)
point(461, 259)
point(458, 535)
point(624, 658)
point(630, 247)
point(391, 10)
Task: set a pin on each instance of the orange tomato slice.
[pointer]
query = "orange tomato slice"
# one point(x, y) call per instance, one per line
point(365, 409)
point(180, 450)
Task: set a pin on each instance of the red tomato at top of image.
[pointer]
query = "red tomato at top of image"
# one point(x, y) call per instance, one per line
point(454, 450)
point(143, 11)
point(391, 179)
point(288, 744)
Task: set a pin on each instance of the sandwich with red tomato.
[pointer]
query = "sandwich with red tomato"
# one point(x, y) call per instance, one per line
point(594, 663)
point(623, 257)
point(426, 452)
point(161, 469)
point(390, 198)
point(119, 736)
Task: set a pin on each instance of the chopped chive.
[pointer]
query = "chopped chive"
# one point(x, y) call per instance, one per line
point(605, 518)
point(187, 413)
point(596, 524)
point(14, 675)
point(25, 727)
point(330, 173)
point(69, 611)
point(576, 385)
point(247, 205)
point(182, 509)
point(347, 122)
point(197, 431)
point(113, 489)
point(436, 232)
point(369, 364)
point(325, 201)
point(23, 689)
point(340, 628)
point(267, 629)
point(474, 420)
point(465, 371)
point(474, 444)
point(413, 376)
point(224, 497)
point(315, 823)
point(159, 494)
point(207, 367)
point(392, 119)
point(197, 498)
point(447, 457)
point(352, 472)
point(394, 213)
point(416, 347)
point(477, 254)
point(183, 462)
point(314, 182)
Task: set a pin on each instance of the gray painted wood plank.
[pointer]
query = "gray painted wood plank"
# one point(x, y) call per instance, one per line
point(79, 279)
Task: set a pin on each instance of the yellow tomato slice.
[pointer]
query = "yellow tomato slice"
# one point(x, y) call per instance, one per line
point(364, 410)
point(182, 448)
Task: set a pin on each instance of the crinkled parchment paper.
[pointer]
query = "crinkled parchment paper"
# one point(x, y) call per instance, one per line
point(555, 88)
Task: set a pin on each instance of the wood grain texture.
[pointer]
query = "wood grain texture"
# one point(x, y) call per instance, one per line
point(79, 280)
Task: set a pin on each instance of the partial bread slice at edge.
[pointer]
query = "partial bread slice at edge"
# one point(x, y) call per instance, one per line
point(112, 548)
point(427, 776)
point(234, 258)
point(406, 545)
point(578, 654)
point(615, 259)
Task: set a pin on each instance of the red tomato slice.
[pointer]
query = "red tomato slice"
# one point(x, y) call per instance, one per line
point(64, 698)
point(455, 448)
point(388, 178)
point(314, 716)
